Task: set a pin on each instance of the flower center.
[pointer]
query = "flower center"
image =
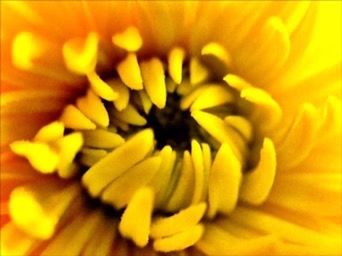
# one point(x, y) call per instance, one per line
point(166, 145)
point(173, 126)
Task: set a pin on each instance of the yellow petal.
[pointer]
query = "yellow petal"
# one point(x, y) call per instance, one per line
point(131, 181)
point(212, 97)
point(331, 123)
point(282, 228)
point(217, 58)
point(14, 241)
point(236, 82)
point(198, 72)
point(73, 118)
point(50, 132)
point(299, 139)
point(184, 88)
point(271, 43)
point(93, 108)
point(136, 219)
point(102, 139)
point(74, 236)
point(224, 181)
point(129, 72)
point(26, 48)
point(80, 55)
point(145, 101)
point(91, 156)
point(179, 222)
point(218, 51)
point(179, 241)
point(170, 188)
point(129, 40)
point(130, 115)
point(216, 241)
point(175, 61)
point(101, 88)
point(294, 14)
point(118, 161)
point(182, 195)
point(123, 94)
point(266, 111)
point(163, 176)
point(68, 147)
point(188, 99)
point(154, 81)
point(40, 207)
point(207, 161)
point(257, 183)
point(241, 124)
point(102, 239)
point(220, 131)
point(40, 155)
point(197, 161)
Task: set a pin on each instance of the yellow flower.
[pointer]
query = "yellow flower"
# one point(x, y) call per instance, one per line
point(187, 127)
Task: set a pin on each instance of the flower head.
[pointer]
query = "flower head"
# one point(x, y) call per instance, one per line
point(154, 127)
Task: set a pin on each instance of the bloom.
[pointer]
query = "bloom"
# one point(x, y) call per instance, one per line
point(196, 126)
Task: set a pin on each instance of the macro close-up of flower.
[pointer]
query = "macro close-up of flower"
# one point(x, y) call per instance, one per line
point(171, 128)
